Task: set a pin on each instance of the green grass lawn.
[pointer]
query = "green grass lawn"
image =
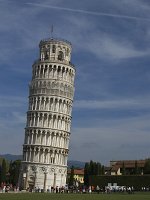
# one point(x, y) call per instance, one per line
point(45, 196)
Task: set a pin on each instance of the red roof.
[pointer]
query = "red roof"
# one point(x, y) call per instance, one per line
point(127, 164)
point(77, 171)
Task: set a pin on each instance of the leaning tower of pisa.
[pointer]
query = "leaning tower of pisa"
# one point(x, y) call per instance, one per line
point(47, 132)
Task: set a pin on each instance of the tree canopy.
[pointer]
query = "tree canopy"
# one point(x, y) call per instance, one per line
point(147, 167)
point(92, 168)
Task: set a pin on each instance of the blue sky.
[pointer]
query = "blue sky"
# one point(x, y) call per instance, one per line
point(111, 52)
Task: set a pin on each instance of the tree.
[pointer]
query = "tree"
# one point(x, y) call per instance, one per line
point(123, 169)
point(0, 174)
point(99, 169)
point(71, 179)
point(3, 171)
point(147, 167)
point(137, 170)
point(86, 174)
point(14, 170)
point(103, 170)
point(92, 168)
point(95, 168)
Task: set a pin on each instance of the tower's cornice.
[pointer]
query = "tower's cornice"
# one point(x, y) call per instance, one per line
point(56, 40)
point(39, 61)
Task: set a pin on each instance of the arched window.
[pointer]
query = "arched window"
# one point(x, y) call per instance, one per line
point(46, 55)
point(67, 52)
point(53, 49)
point(60, 55)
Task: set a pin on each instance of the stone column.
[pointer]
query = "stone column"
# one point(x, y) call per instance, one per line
point(35, 137)
point(27, 137)
point(32, 103)
point(32, 137)
point(34, 154)
point(35, 177)
point(40, 72)
point(26, 179)
point(36, 99)
point(61, 180)
point(45, 180)
point(54, 183)
point(44, 103)
point(30, 151)
point(38, 159)
point(45, 139)
point(38, 119)
point(25, 155)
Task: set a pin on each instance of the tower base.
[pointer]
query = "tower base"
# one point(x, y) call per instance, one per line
point(42, 177)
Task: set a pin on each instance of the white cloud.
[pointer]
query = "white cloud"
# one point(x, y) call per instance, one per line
point(137, 103)
point(119, 50)
point(103, 46)
point(13, 113)
point(12, 132)
point(12, 101)
point(88, 12)
point(110, 139)
point(13, 119)
point(106, 47)
point(19, 118)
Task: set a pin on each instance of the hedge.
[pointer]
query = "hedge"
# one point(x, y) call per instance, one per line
point(137, 181)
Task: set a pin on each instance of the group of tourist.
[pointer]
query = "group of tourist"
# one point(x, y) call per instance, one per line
point(85, 190)
point(82, 190)
point(5, 188)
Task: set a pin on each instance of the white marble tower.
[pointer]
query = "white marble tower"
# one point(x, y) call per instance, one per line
point(47, 131)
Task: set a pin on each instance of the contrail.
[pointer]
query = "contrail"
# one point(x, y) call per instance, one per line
point(88, 12)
